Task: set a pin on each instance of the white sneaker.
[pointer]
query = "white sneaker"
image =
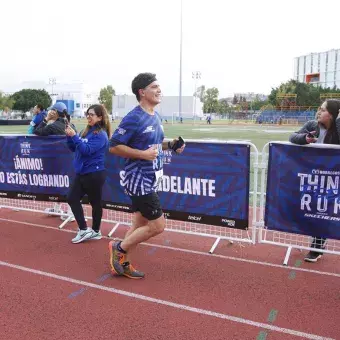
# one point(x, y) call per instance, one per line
point(82, 235)
point(95, 235)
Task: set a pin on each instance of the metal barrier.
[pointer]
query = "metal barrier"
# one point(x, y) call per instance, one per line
point(119, 218)
point(216, 232)
point(284, 239)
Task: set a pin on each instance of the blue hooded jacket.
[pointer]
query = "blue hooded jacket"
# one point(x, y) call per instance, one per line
point(90, 151)
point(36, 120)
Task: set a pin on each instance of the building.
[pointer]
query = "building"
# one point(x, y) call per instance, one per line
point(251, 96)
point(77, 96)
point(168, 108)
point(319, 68)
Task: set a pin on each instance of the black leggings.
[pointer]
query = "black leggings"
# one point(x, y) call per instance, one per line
point(91, 185)
point(318, 243)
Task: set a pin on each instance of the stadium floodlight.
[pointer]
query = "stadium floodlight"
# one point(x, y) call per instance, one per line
point(52, 81)
point(195, 75)
point(180, 61)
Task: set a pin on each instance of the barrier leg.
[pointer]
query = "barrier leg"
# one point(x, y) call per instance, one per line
point(69, 218)
point(113, 229)
point(285, 262)
point(214, 245)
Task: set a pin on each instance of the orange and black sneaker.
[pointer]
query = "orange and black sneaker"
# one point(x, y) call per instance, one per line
point(131, 272)
point(117, 258)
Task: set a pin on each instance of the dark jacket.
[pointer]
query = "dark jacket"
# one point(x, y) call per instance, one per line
point(90, 151)
point(299, 137)
point(55, 128)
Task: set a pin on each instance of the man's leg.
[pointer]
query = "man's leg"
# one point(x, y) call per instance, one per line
point(137, 222)
point(151, 211)
point(144, 233)
point(129, 271)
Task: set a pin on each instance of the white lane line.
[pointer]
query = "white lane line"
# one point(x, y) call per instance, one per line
point(167, 303)
point(196, 252)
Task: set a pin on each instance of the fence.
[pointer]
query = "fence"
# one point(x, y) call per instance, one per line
point(189, 178)
point(308, 175)
point(222, 216)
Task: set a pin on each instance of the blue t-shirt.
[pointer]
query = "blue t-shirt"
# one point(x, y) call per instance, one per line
point(140, 130)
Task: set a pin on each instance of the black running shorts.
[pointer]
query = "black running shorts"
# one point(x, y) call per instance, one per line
point(148, 205)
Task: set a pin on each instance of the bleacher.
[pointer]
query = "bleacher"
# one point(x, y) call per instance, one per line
point(273, 116)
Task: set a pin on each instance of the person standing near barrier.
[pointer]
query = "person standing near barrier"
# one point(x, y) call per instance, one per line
point(324, 130)
point(38, 116)
point(139, 139)
point(55, 122)
point(90, 148)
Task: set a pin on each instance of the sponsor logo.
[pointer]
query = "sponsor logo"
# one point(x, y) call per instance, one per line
point(166, 215)
point(3, 193)
point(32, 197)
point(85, 140)
point(53, 198)
point(25, 148)
point(121, 131)
point(194, 218)
point(230, 223)
point(149, 129)
point(117, 206)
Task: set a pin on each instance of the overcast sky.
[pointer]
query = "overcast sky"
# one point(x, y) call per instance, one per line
point(239, 46)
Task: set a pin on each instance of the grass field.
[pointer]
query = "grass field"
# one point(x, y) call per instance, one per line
point(218, 130)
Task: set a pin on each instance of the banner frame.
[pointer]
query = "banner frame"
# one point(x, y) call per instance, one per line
point(194, 227)
point(267, 236)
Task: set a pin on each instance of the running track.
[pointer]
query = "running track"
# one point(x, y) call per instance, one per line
point(52, 289)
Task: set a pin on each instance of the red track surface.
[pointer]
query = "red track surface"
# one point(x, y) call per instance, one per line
point(35, 306)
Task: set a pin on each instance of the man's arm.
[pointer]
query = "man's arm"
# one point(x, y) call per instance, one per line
point(127, 152)
point(167, 145)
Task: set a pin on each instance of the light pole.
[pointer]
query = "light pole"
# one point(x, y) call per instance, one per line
point(52, 81)
point(180, 62)
point(195, 75)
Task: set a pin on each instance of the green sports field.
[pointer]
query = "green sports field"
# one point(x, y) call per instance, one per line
point(218, 130)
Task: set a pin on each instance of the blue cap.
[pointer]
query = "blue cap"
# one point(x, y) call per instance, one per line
point(59, 107)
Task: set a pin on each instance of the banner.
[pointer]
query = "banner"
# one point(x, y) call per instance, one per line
point(208, 183)
point(303, 190)
point(35, 168)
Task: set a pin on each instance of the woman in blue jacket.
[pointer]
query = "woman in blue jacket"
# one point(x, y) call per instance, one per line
point(90, 148)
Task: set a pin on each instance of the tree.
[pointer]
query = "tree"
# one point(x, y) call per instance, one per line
point(105, 97)
point(257, 103)
point(200, 93)
point(211, 101)
point(235, 100)
point(307, 94)
point(26, 99)
point(223, 107)
point(6, 102)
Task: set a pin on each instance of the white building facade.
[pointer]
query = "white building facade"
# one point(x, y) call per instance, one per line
point(319, 68)
point(76, 92)
point(168, 108)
